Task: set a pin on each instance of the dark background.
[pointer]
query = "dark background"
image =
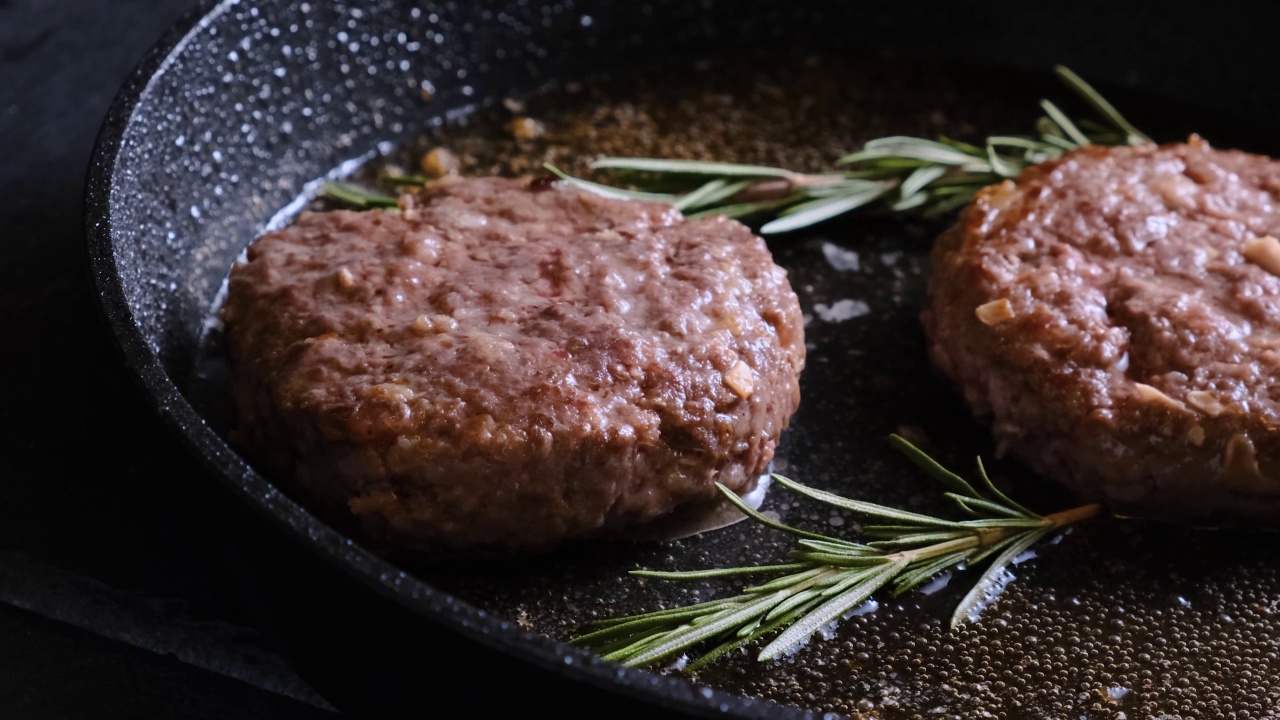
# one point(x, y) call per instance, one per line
point(111, 603)
point(115, 595)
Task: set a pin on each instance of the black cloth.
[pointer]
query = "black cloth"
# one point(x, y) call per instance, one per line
point(111, 604)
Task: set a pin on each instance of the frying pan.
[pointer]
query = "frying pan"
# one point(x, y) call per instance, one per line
point(242, 107)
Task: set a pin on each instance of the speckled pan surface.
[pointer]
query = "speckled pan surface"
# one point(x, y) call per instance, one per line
point(231, 118)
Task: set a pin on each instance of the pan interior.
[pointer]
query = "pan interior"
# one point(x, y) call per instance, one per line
point(1112, 621)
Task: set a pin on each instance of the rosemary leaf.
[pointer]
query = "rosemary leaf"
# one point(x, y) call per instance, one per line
point(999, 496)
point(1100, 104)
point(992, 576)
point(944, 207)
point(629, 650)
point(404, 180)
point(1002, 167)
point(356, 196)
point(759, 517)
point(1006, 522)
point(848, 580)
point(751, 627)
point(949, 480)
point(836, 546)
point(809, 624)
point(864, 508)
point(617, 637)
point(742, 210)
point(607, 191)
point(963, 147)
point(656, 620)
point(837, 560)
point(711, 192)
point(925, 572)
point(1015, 141)
point(973, 504)
point(767, 629)
point(690, 167)
point(797, 600)
point(815, 574)
point(681, 641)
point(900, 147)
point(1064, 123)
point(917, 539)
point(804, 215)
point(919, 178)
point(622, 644)
point(707, 606)
point(880, 531)
point(911, 202)
point(717, 572)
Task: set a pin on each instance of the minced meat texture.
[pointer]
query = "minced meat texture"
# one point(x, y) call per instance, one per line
point(1116, 315)
point(511, 363)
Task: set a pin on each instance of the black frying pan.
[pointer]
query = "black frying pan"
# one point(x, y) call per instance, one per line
point(222, 127)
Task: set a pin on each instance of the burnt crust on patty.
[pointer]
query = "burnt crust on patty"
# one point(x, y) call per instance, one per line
point(1115, 314)
point(511, 363)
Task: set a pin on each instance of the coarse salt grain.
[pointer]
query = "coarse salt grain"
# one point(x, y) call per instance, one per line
point(1264, 252)
point(741, 379)
point(995, 312)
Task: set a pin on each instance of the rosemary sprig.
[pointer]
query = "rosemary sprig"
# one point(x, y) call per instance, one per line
point(897, 174)
point(357, 197)
point(829, 576)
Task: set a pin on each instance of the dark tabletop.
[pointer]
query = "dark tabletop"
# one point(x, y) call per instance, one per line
point(111, 604)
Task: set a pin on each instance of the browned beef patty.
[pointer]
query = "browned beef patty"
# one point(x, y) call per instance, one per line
point(511, 363)
point(1116, 315)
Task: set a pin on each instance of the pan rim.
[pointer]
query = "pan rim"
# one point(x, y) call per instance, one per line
point(299, 524)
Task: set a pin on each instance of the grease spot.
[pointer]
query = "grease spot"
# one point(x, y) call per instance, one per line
point(839, 258)
point(841, 310)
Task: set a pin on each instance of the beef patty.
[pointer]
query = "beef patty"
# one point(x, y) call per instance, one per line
point(511, 363)
point(1116, 315)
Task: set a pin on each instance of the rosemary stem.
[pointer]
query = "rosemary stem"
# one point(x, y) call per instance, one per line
point(986, 537)
point(1074, 515)
point(784, 187)
point(767, 190)
point(942, 548)
point(810, 181)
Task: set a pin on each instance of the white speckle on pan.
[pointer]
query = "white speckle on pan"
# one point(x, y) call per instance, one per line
point(891, 258)
point(841, 310)
point(755, 498)
point(839, 258)
point(1116, 693)
point(865, 608)
point(935, 584)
